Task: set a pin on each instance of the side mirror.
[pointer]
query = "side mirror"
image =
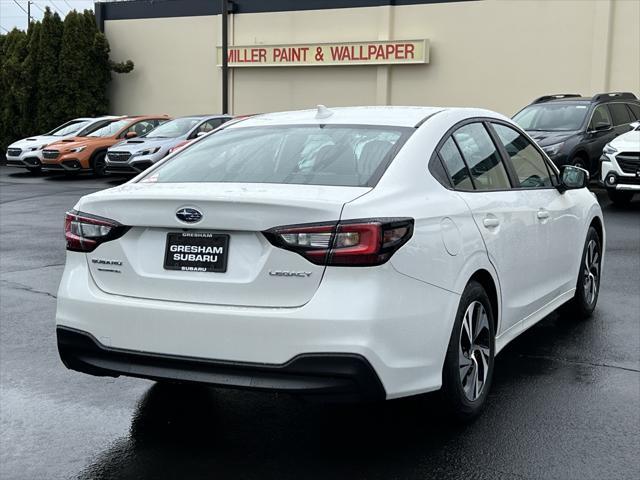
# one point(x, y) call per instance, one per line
point(130, 135)
point(199, 134)
point(635, 126)
point(573, 178)
point(603, 126)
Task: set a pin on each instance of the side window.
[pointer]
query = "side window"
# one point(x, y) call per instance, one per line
point(527, 162)
point(208, 126)
point(455, 165)
point(140, 128)
point(482, 158)
point(620, 114)
point(600, 117)
point(635, 108)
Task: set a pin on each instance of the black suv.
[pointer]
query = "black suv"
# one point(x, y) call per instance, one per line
point(573, 129)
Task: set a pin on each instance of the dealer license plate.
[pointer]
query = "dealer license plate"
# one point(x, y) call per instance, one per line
point(196, 252)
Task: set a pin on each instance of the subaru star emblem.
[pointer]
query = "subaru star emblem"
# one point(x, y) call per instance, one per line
point(189, 215)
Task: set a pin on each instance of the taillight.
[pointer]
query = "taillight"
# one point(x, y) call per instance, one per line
point(84, 232)
point(363, 243)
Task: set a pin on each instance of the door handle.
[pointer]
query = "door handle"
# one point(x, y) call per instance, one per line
point(542, 214)
point(491, 222)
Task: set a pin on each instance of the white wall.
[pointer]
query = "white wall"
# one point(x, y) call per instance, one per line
point(498, 54)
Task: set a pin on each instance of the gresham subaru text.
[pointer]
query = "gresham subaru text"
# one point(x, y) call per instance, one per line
point(364, 252)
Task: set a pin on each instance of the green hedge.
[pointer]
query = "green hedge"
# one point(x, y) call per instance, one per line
point(55, 71)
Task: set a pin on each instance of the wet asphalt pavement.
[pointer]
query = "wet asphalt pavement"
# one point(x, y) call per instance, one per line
point(565, 402)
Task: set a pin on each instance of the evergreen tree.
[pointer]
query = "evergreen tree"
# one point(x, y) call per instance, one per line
point(54, 72)
point(48, 83)
point(14, 51)
point(74, 67)
point(101, 77)
point(29, 92)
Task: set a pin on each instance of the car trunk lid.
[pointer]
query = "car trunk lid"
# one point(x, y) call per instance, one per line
point(135, 264)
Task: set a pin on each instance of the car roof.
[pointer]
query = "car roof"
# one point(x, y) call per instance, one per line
point(145, 117)
point(205, 115)
point(573, 98)
point(375, 115)
point(578, 100)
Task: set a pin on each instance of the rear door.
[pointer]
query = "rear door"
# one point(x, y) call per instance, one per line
point(506, 220)
point(595, 140)
point(249, 271)
point(557, 220)
point(621, 116)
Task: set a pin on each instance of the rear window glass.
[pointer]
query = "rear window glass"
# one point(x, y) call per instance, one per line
point(620, 114)
point(291, 154)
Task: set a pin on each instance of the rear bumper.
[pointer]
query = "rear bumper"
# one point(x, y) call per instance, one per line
point(335, 376)
point(400, 325)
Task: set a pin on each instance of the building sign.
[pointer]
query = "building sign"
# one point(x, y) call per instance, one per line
point(386, 52)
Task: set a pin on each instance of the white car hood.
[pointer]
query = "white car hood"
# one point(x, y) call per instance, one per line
point(627, 142)
point(37, 141)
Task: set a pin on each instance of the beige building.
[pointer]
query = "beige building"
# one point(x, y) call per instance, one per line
point(498, 54)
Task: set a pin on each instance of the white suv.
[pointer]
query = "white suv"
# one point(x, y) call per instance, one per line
point(27, 153)
point(620, 167)
point(372, 252)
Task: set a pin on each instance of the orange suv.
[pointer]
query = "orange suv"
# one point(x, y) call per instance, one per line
point(87, 153)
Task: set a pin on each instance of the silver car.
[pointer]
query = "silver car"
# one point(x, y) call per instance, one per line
point(137, 154)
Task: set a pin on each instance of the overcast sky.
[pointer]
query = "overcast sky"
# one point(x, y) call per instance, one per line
point(11, 15)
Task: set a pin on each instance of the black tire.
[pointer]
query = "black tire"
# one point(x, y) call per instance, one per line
point(455, 379)
point(99, 165)
point(620, 198)
point(581, 306)
point(580, 161)
point(35, 170)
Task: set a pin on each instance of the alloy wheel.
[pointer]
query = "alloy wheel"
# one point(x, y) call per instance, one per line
point(474, 350)
point(591, 272)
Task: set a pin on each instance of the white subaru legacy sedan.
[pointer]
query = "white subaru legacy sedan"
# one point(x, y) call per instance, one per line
point(368, 252)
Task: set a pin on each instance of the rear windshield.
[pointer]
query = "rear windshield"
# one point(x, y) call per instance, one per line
point(342, 155)
point(552, 117)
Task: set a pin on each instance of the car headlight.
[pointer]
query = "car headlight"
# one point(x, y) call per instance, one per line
point(552, 149)
point(78, 149)
point(609, 150)
point(33, 149)
point(148, 151)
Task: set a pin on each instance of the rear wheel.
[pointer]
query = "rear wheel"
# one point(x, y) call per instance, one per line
point(581, 306)
point(99, 164)
point(468, 368)
point(620, 198)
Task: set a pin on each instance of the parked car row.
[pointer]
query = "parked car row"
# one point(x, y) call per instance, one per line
point(570, 129)
point(110, 144)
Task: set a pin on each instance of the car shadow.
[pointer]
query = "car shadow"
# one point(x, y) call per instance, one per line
point(181, 431)
point(184, 431)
